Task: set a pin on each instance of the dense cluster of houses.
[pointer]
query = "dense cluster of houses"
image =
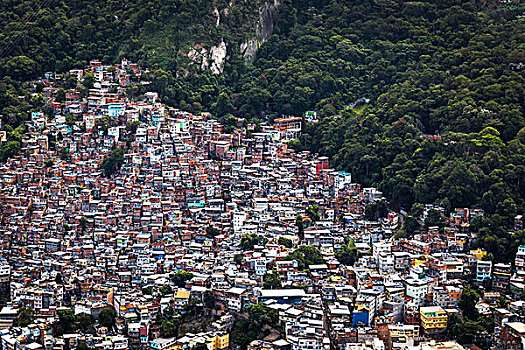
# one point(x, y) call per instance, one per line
point(227, 208)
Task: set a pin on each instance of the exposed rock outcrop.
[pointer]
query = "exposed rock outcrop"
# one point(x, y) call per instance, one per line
point(218, 58)
point(215, 57)
point(263, 31)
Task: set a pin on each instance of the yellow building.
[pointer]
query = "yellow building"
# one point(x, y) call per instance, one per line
point(433, 319)
point(213, 341)
point(419, 262)
point(407, 330)
point(218, 342)
point(478, 253)
point(401, 334)
point(181, 299)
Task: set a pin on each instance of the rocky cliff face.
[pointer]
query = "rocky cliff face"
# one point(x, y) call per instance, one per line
point(263, 31)
point(214, 57)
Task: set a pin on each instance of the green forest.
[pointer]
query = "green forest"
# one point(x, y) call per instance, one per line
point(443, 80)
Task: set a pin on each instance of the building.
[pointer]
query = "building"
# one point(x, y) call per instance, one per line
point(282, 296)
point(512, 336)
point(163, 344)
point(433, 319)
point(401, 334)
point(483, 270)
point(288, 127)
point(519, 261)
point(417, 289)
point(218, 341)
point(501, 277)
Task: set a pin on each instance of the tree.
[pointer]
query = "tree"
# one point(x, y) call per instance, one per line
point(300, 227)
point(70, 119)
point(263, 315)
point(248, 242)
point(455, 325)
point(271, 280)
point(212, 232)
point(196, 107)
point(84, 322)
point(223, 106)
point(103, 124)
point(411, 225)
point(147, 290)
point(83, 222)
point(64, 154)
point(180, 278)
point(502, 301)
point(106, 317)
point(112, 162)
point(417, 210)
point(434, 218)
point(306, 256)
point(347, 255)
point(89, 81)
point(244, 331)
point(169, 328)
point(60, 96)
point(30, 210)
point(229, 122)
point(21, 68)
point(9, 150)
point(287, 242)
point(342, 220)
point(24, 317)
point(132, 126)
point(166, 290)
point(376, 210)
point(66, 322)
point(468, 301)
point(70, 81)
point(208, 299)
point(238, 258)
point(313, 213)
point(169, 312)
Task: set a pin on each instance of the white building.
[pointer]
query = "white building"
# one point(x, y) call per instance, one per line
point(418, 290)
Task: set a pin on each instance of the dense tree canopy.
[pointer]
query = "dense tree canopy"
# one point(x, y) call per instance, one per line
point(107, 317)
point(180, 278)
point(113, 161)
point(24, 317)
point(287, 242)
point(445, 121)
point(348, 255)
point(376, 210)
point(271, 280)
point(59, 35)
point(306, 256)
point(471, 323)
point(66, 322)
point(249, 241)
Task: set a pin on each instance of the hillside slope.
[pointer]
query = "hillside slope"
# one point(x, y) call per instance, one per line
point(445, 122)
point(60, 35)
point(445, 78)
point(191, 39)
